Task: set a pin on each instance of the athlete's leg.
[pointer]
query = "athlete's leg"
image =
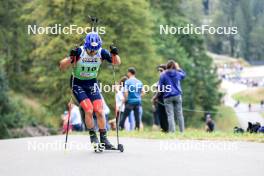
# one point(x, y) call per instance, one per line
point(84, 101)
point(97, 103)
point(89, 121)
point(88, 110)
point(87, 107)
point(98, 109)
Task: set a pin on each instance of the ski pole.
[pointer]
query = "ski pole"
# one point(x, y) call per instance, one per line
point(68, 126)
point(69, 114)
point(117, 123)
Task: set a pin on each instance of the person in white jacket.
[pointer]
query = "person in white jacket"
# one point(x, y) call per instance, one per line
point(75, 118)
point(120, 98)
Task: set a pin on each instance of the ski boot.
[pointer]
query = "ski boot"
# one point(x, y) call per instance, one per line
point(105, 142)
point(95, 142)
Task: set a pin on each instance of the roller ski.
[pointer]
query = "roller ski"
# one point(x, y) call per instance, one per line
point(107, 145)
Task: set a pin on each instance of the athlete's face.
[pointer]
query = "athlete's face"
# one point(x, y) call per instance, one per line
point(91, 52)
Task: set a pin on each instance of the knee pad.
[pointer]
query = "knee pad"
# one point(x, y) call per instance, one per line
point(87, 105)
point(98, 105)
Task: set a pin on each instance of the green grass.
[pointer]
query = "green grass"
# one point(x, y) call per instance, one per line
point(226, 119)
point(189, 134)
point(193, 134)
point(225, 122)
point(253, 95)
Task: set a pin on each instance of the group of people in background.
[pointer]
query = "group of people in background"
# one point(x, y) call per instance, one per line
point(250, 105)
point(166, 104)
point(234, 72)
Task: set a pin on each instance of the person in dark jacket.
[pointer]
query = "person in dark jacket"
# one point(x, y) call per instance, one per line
point(158, 102)
point(172, 96)
point(209, 123)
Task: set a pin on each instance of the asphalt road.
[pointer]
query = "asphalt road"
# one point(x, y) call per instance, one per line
point(44, 156)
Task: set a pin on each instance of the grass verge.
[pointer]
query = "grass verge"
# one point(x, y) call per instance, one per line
point(253, 95)
point(226, 119)
point(193, 134)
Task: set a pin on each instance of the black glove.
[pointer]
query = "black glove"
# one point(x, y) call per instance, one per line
point(74, 55)
point(73, 52)
point(113, 50)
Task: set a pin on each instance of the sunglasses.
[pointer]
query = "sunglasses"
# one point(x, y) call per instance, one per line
point(160, 70)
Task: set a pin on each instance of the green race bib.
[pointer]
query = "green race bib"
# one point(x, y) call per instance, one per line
point(87, 67)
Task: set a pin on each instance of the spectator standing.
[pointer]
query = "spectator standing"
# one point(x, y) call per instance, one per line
point(158, 103)
point(133, 93)
point(120, 98)
point(173, 98)
point(75, 118)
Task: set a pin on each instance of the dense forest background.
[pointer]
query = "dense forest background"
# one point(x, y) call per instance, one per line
point(246, 15)
point(33, 91)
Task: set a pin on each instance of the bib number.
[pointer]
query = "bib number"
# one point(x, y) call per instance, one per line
point(89, 69)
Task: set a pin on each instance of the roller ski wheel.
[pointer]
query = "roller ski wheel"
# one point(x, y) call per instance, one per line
point(120, 147)
point(97, 147)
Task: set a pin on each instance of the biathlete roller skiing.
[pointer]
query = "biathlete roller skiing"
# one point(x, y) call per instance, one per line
point(85, 62)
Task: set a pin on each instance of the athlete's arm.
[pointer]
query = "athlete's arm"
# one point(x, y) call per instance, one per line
point(115, 58)
point(67, 61)
point(112, 56)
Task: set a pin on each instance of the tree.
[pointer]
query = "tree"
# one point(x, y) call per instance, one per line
point(247, 16)
point(14, 42)
point(201, 84)
point(4, 104)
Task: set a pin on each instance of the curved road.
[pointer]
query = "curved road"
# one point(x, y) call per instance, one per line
point(243, 114)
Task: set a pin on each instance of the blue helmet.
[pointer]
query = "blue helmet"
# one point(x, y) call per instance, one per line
point(93, 41)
